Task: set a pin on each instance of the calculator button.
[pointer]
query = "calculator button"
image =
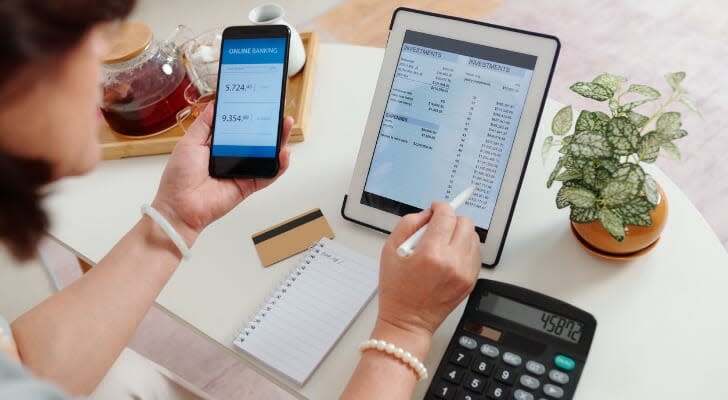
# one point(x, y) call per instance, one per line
point(489, 350)
point(512, 359)
point(529, 382)
point(463, 395)
point(522, 395)
point(460, 358)
point(505, 375)
point(445, 391)
point(483, 366)
point(497, 391)
point(563, 362)
point(453, 374)
point(553, 391)
point(558, 377)
point(535, 368)
point(468, 342)
point(475, 383)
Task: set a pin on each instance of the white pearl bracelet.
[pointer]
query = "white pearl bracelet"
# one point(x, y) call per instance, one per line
point(168, 229)
point(397, 352)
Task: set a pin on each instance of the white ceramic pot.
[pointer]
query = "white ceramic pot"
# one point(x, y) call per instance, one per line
point(272, 14)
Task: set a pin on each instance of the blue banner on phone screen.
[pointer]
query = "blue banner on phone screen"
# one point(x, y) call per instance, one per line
point(248, 98)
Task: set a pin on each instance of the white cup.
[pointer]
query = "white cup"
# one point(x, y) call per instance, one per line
point(272, 14)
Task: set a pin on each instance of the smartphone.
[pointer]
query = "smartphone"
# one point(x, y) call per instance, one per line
point(248, 120)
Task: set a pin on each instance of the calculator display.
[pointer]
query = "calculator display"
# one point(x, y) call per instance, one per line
point(543, 321)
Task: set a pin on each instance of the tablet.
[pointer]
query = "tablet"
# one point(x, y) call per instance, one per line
point(457, 104)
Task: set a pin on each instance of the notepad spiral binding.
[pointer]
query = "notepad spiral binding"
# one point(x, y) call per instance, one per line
point(271, 301)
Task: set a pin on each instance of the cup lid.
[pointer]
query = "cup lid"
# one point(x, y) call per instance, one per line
point(130, 40)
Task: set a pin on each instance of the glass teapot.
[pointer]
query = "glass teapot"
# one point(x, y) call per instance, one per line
point(144, 81)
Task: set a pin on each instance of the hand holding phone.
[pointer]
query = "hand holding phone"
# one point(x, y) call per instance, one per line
point(189, 197)
point(248, 115)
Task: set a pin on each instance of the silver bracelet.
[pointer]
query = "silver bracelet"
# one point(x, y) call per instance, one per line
point(168, 229)
point(399, 353)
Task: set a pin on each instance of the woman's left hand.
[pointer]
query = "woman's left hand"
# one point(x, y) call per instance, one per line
point(189, 197)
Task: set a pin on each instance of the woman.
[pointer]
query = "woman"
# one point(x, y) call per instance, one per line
point(49, 69)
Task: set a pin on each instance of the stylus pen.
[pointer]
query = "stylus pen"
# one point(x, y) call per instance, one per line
point(407, 248)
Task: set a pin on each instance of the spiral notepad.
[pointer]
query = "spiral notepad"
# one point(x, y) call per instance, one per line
point(310, 310)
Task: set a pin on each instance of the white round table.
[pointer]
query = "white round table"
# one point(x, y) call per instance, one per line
point(662, 318)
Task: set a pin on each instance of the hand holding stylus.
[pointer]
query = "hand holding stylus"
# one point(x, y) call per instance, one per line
point(407, 248)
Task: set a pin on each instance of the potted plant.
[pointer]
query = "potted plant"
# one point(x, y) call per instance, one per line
point(617, 209)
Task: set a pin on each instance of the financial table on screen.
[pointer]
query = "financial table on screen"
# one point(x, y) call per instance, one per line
point(450, 122)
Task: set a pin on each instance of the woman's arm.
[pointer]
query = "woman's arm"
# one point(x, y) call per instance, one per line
point(381, 376)
point(73, 337)
point(415, 295)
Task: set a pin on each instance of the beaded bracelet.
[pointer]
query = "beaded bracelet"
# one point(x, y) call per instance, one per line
point(168, 229)
point(397, 352)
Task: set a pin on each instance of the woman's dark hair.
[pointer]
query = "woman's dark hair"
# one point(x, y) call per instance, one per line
point(35, 32)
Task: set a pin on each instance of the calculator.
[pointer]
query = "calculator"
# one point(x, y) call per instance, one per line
point(514, 343)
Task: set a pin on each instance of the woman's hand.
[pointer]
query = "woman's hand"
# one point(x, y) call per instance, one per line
point(189, 197)
point(417, 293)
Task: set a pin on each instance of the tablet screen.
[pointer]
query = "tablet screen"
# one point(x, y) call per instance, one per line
point(450, 121)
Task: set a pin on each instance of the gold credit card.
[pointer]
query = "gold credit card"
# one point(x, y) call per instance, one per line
point(291, 237)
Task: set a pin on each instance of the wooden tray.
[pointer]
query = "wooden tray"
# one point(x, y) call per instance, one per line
point(298, 95)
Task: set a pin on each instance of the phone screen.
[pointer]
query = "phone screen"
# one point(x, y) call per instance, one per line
point(248, 109)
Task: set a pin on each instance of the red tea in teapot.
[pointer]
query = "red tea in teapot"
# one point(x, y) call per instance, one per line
point(144, 82)
point(141, 109)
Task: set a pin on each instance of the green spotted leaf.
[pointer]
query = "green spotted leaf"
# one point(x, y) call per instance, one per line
point(548, 143)
point(671, 151)
point(652, 194)
point(637, 119)
point(637, 219)
point(555, 172)
point(612, 223)
point(610, 164)
point(589, 174)
point(591, 121)
point(592, 91)
point(644, 90)
point(575, 163)
point(583, 215)
point(673, 135)
point(569, 175)
point(614, 107)
point(638, 205)
point(634, 104)
point(668, 122)
point(623, 136)
point(649, 147)
point(575, 183)
point(674, 79)
point(611, 82)
point(602, 179)
point(636, 212)
point(576, 197)
point(626, 183)
point(562, 121)
point(591, 145)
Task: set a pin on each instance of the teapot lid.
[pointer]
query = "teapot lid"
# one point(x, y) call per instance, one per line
point(130, 40)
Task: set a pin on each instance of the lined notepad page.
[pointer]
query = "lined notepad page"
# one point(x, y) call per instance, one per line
point(309, 312)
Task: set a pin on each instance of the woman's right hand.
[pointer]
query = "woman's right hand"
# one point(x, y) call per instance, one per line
point(189, 197)
point(418, 292)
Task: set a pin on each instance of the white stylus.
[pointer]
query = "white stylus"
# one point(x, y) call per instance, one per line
point(407, 248)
